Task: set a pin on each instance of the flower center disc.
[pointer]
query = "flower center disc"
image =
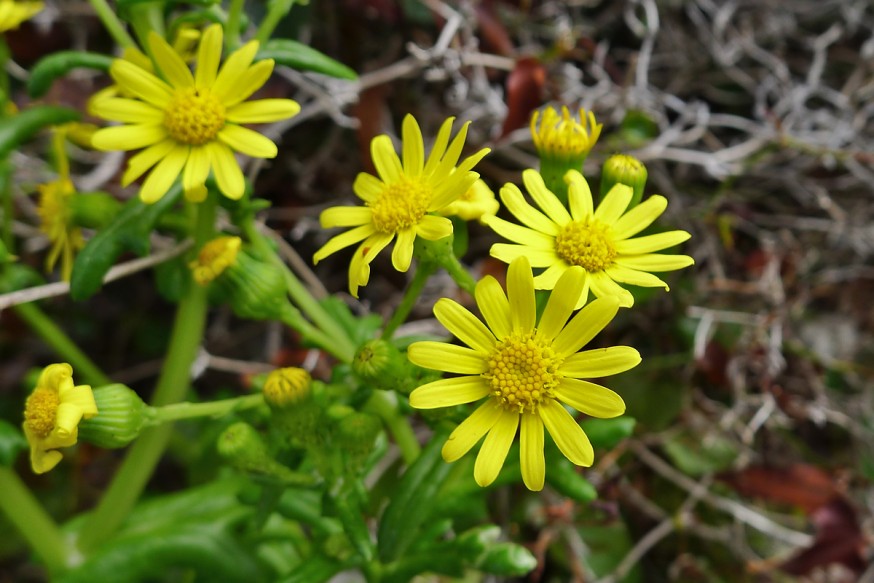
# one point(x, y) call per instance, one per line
point(194, 117)
point(400, 206)
point(522, 372)
point(586, 244)
point(41, 410)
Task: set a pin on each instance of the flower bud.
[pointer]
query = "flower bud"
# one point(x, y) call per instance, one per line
point(287, 387)
point(241, 445)
point(93, 210)
point(478, 201)
point(356, 434)
point(563, 143)
point(381, 364)
point(508, 560)
point(120, 418)
point(627, 170)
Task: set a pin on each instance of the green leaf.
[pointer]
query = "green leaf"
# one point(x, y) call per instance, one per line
point(299, 56)
point(607, 433)
point(608, 544)
point(695, 456)
point(564, 477)
point(59, 64)
point(12, 443)
point(19, 128)
point(128, 232)
point(411, 503)
point(508, 559)
point(314, 569)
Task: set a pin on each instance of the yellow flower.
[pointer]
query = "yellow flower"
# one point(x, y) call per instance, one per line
point(190, 124)
point(398, 203)
point(598, 240)
point(525, 370)
point(475, 204)
point(13, 13)
point(563, 136)
point(56, 223)
point(52, 415)
point(214, 258)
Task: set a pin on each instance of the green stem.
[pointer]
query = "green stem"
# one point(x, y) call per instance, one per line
point(344, 349)
point(31, 519)
point(112, 24)
point(147, 17)
point(294, 320)
point(84, 367)
point(6, 195)
point(423, 272)
point(140, 462)
point(276, 11)
point(232, 29)
point(459, 273)
point(169, 413)
point(382, 406)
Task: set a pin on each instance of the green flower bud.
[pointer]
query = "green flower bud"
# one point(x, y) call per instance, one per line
point(93, 210)
point(508, 560)
point(627, 170)
point(121, 416)
point(380, 364)
point(287, 387)
point(472, 544)
point(356, 434)
point(242, 446)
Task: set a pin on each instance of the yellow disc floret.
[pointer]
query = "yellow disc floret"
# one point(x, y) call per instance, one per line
point(41, 410)
point(522, 372)
point(401, 205)
point(194, 116)
point(214, 258)
point(587, 244)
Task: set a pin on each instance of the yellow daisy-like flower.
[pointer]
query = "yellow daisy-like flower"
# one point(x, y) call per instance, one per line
point(214, 258)
point(525, 370)
point(562, 136)
point(52, 415)
point(598, 240)
point(478, 202)
point(56, 223)
point(398, 202)
point(189, 123)
point(13, 13)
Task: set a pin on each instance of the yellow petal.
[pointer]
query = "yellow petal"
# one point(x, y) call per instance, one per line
point(359, 267)
point(550, 277)
point(67, 420)
point(585, 326)
point(522, 235)
point(248, 83)
point(169, 62)
point(493, 305)
point(228, 80)
point(227, 172)
point(343, 240)
point(127, 110)
point(144, 160)
point(439, 146)
point(446, 357)
point(600, 362)
point(513, 199)
point(128, 137)
point(263, 111)
point(449, 392)
point(495, 448)
point(385, 159)
point(634, 277)
point(544, 198)
point(141, 83)
point(413, 147)
point(603, 286)
point(345, 216)
point(471, 430)
point(42, 461)
point(536, 257)
point(209, 55)
point(567, 434)
point(520, 293)
point(81, 396)
point(655, 262)
point(640, 217)
point(247, 141)
point(531, 452)
point(162, 177)
point(367, 187)
point(464, 325)
point(402, 254)
point(434, 228)
point(590, 398)
point(195, 173)
point(561, 304)
point(614, 204)
point(650, 243)
point(579, 196)
point(453, 152)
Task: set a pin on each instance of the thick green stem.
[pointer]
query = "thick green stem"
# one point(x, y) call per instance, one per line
point(459, 273)
point(84, 368)
point(294, 320)
point(169, 413)
point(276, 11)
point(145, 18)
point(423, 272)
point(35, 525)
point(343, 349)
point(112, 24)
point(232, 29)
point(140, 462)
point(382, 406)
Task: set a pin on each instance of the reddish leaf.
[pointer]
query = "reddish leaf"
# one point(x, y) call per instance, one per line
point(838, 540)
point(494, 34)
point(801, 485)
point(524, 93)
point(369, 111)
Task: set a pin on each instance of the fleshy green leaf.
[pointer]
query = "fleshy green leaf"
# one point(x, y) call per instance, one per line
point(606, 433)
point(59, 64)
point(299, 56)
point(19, 128)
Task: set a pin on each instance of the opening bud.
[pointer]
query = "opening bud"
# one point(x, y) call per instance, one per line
point(287, 387)
point(627, 170)
point(121, 416)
